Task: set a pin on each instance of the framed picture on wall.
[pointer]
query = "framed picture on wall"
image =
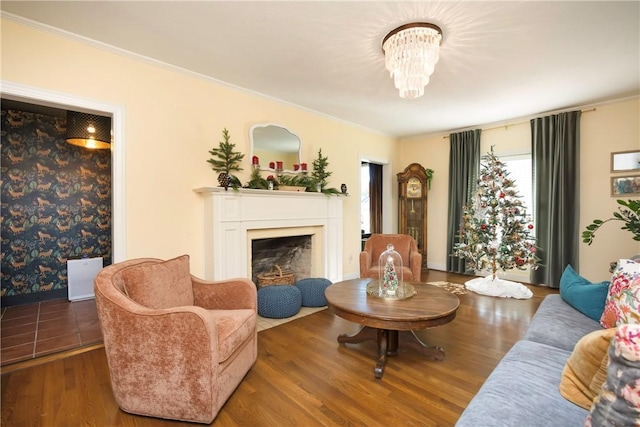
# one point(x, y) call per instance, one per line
point(625, 161)
point(625, 186)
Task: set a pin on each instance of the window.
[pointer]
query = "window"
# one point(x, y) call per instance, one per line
point(520, 171)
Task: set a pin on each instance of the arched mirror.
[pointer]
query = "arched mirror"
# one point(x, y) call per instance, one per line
point(271, 144)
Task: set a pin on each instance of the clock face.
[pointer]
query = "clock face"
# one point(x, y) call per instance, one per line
point(414, 188)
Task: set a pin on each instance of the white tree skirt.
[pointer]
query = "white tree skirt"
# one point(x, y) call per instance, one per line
point(498, 288)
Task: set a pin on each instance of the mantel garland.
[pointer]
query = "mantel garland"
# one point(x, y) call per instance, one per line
point(310, 181)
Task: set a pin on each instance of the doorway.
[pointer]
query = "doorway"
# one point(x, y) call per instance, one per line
point(370, 198)
point(21, 93)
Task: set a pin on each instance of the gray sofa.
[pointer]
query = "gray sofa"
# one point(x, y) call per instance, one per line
point(523, 389)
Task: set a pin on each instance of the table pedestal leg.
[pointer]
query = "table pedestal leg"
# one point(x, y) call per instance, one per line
point(387, 344)
point(383, 341)
point(364, 334)
point(392, 340)
point(432, 351)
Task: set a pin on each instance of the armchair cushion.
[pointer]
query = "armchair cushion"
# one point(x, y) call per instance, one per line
point(233, 328)
point(161, 285)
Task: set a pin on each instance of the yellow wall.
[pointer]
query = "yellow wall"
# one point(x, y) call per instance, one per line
point(172, 120)
point(610, 128)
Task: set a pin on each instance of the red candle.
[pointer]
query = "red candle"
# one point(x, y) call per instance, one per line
point(296, 167)
point(303, 166)
point(272, 165)
point(279, 165)
point(255, 160)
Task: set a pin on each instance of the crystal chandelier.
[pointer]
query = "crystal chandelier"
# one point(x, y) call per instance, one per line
point(410, 54)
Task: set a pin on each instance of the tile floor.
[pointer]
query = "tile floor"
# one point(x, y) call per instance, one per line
point(32, 330)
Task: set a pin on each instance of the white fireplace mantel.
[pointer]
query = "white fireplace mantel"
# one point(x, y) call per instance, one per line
point(231, 216)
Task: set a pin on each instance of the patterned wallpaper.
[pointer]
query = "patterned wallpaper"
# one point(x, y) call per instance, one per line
point(55, 204)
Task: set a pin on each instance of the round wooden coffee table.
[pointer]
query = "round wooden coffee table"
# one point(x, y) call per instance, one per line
point(381, 319)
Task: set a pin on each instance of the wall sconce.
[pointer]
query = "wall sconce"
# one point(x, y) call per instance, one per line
point(88, 130)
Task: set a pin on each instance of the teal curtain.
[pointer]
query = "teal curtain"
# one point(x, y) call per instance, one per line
point(464, 167)
point(555, 148)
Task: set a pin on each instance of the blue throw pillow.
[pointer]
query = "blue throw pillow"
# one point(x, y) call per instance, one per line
point(586, 297)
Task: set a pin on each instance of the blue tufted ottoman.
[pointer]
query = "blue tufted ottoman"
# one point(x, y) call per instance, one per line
point(279, 301)
point(312, 290)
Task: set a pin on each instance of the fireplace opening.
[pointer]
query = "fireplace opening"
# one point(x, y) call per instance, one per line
point(293, 253)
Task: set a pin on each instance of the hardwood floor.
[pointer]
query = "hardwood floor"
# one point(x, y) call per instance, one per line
point(303, 377)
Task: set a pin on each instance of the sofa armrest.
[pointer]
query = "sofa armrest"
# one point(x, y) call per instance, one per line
point(225, 294)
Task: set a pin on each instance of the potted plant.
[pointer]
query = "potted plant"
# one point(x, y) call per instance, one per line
point(225, 160)
point(320, 174)
point(629, 215)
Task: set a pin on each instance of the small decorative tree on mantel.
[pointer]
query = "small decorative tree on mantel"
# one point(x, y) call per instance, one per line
point(225, 160)
point(320, 174)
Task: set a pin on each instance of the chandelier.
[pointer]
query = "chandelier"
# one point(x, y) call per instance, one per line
point(410, 54)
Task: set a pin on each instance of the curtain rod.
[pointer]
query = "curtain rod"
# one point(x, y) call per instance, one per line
point(506, 126)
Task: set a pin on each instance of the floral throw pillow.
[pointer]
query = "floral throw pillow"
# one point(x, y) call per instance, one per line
point(623, 300)
point(618, 403)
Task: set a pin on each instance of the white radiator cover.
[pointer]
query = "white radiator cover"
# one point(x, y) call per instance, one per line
point(80, 274)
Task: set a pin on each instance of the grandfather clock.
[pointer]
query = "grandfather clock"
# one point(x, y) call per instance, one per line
point(412, 206)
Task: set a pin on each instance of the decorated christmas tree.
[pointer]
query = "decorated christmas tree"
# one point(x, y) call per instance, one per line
point(495, 234)
point(389, 277)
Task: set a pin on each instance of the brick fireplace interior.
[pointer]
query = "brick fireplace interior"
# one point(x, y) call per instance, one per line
point(291, 253)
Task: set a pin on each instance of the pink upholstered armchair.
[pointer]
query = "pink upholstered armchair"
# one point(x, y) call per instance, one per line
point(404, 244)
point(177, 346)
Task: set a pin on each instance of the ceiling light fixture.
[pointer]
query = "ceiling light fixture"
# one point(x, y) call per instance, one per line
point(88, 130)
point(410, 54)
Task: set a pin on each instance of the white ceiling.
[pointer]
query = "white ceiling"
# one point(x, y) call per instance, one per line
point(498, 61)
